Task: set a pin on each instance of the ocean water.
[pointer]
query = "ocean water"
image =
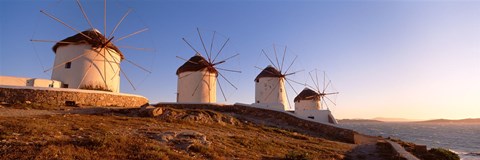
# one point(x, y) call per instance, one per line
point(464, 139)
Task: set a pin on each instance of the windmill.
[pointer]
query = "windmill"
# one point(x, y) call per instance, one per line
point(91, 59)
point(270, 91)
point(316, 98)
point(198, 76)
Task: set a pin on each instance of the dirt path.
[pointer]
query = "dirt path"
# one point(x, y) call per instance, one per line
point(9, 112)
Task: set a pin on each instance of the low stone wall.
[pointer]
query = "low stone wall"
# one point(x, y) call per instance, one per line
point(277, 119)
point(60, 97)
point(400, 151)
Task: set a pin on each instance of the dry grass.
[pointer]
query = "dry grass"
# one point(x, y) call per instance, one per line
point(121, 137)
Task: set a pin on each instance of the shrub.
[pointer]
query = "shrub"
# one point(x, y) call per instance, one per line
point(95, 87)
point(444, 154)
point(292, 155)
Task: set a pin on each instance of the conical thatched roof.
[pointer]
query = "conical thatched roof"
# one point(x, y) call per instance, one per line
point(307, 94)
point(196, 63)
point(97, 41)
point(269, 72)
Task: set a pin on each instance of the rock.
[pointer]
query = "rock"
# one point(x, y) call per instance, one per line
point(183, 139)
point(167, 136)
point(420, 148)
point(150, 111)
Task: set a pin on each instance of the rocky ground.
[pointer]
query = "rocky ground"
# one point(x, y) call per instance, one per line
point(163, 132)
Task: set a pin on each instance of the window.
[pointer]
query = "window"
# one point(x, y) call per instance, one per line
point(68, 65)
point(50, 85)
point(311, 117)
point(258, 101)
point(64, 85)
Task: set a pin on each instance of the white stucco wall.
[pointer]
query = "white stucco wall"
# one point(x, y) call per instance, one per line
point(35, 82)
point(206, 91)
point(320, 116)
point(13, 81)
point(308, 105)
point(270, 93)
point(91, 69)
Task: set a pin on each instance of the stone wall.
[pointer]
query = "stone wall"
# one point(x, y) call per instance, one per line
point(277, 119)
point(49, 96)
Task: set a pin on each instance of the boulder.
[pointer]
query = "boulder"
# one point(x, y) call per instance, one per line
point(151, 111)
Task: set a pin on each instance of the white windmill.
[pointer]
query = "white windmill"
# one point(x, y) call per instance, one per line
point(270, 91)
point(198, 76)
point(313, 102)
point(90, 59)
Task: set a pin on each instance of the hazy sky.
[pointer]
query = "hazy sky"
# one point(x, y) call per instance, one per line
point(409, 59)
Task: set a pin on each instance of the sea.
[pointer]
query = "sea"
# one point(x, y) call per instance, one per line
point(463, 139)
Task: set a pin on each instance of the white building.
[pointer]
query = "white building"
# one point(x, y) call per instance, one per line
point(307, 105)
point(91, 62)
point(33, 82)
point(270, 90)
point(197, 81)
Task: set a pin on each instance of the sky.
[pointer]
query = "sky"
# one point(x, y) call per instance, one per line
point(402, 59)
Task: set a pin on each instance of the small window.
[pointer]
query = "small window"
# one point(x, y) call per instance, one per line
point(70, 103)
point(64, 85)
point(68, 65)
point(311, 117)
point(50, 85)
point(258, 101)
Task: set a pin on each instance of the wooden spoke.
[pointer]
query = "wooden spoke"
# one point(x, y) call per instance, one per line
point(325, 102)
point(271, 91)
point(199, 82)
point(292, 73)
point(86, 73)
point(84, 14)
point(291, 64)
point(131, 34)
point(283, 58)
point(265, 70)
point(39, 40)
point(136, 48)
point(129, 61)
point(211, 44)
point(186, 60)
point(276, 57)
point(118, 24)
point(296, 82)
point(193, 48)
point(128, 79)
point(58, 20)
point(288, 99)
point(323, 79)
point(227, 80)
point(314, 82)
point(271, 62)
point(223, 46)
point(296, 93)
point(105, 18)
point(229, 70)
point(221, 89)
point(328, 84)
point(115, 60)
point(203, 44)
point(222, 61)
point(79, 56)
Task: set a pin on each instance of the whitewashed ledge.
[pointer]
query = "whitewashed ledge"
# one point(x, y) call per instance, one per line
point(398, 149)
